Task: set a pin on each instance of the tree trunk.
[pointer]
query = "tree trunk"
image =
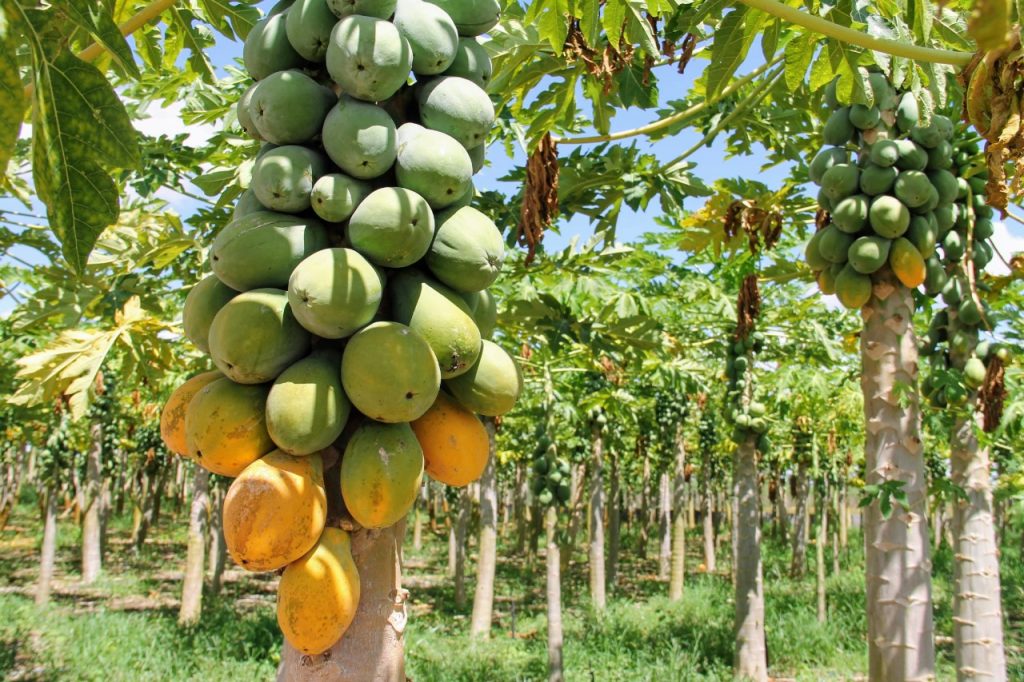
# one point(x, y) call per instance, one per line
point(798, 563)
point(844, 517)
point(751, 655)
point(781, 516)
point(664, 526)
point(521, 495)
point(195, 561)
point(597, 584)
point(372, 649)
point(937, 526)
point(977, 610)
point(645, 483)
point(579, 481)
point(483, 601)
point(461, 528)
point(92, 522)
point(417, 527)
point(554, 595)
point(819, 554)
point(898, 567)
point(708, 518)
point(49, 549)
point(614, 525)
point(836, 568)
point(679, 512)
point(218, 546)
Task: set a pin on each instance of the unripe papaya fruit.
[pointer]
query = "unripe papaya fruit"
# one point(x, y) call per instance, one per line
point(225, 426)
point(261, 249)
point(484, 310)
point(273, 111)
point(360, 138)
point(834, 244)
point(940, 157)
point(864, 117)
point(307, 407)
point(838, 128)
point(318, 595)
point(912, 156)
point(974, 373)
point(907, 112)
point(812, 254)
point(923, 233)
point(283, 178)
point(471, 62)
point(334, 292)
point(471, 17)
point(875, 180)
point(851, 214)
point(491, 386)
point(868, 254)
point(467, 251)
point(945, 184)
point(381, 9)
point(255, 336)
point(381, 473)
point(888, 216)
point(308, 24)
point(853, 289)
point(274, 512)
point(390, 373)
point(884, 153)
point(840, 181)
point(368, 57)
point(825, 159)
point(440, 316)
point(431, 33)
point(907, 263)
point(247, 203)
point(201, 305)
point(912, 188)
point(172, 418)
point(268, 50)
point(455, 443)
point(935, 276)
point(392, 227)
point(953, 246)
point(434, 165)
point(457, 106)
point(968, 312)
point(335, 196)
point(243, 115)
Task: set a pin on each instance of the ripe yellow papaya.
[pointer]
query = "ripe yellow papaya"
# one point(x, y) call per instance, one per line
point(318, 594)
point(172, 419)
point(225, 426)
point(455, 444)
point(275, 511)
point(381, 473)
point(906, 263)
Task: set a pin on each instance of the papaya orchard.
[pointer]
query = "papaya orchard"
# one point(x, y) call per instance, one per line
point(480, 339)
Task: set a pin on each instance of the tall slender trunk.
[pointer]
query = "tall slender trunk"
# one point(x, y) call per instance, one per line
point(218, 546)
point(798, 564)
point(195, 561)
point(781, 516)
point(645, 483)
point(844, 517)
point(49, 549)
point(898, 567)
point(520, 497)
point(92, 522)
point(819, 553)
point(417, 527)
point(664, 526)
point(579, 480)
point(614, 525)
point(597, 584)
point(372, 649)
point(679, 512)
point(937, 526)
point(835, 532)
point(461, 528)
point(554, 597)
point(751, 653)
point(483, 601)
point(708, 520)
point(977, 610)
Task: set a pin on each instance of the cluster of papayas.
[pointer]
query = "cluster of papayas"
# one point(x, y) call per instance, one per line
point(348, 290)
point(952, 340)
point(551, 482)
point(747, 416)
point(889, 186)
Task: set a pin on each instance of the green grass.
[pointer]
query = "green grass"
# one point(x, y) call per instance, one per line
point(124, 627)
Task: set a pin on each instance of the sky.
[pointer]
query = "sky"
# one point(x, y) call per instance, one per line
point(711, 161)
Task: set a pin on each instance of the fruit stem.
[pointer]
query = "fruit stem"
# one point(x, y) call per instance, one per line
point(855, 37)
point(663, 123)
point(130, 26)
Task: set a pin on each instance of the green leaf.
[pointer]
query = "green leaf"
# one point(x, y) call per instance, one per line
point(12, 93)
point(80, 127)
point(770, 39)
point(638, 30)
point(230, 18)
point(728, 51)
point(197, 39)
point(590, 20)
point(96, 20)
point(549, 16)
point(798, 54)
point(612, 19)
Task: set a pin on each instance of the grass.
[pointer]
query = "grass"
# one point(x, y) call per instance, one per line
point(124, 627)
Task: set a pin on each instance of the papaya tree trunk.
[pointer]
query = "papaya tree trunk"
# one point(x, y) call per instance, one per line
point(664, 526)
point(487, 552)
point(92, 494)
point(461, 528)
point(679, 512)
point(645, 483)
point(751, 654)
point(819, 554)
point(373, 647)
point(195, 561)
point(614, 525)
point(977, 611)
point(521, 495)
point(898, 567)
point(708, 517)
point(597, 577)
point(49, 549)
point(781, 515)
point(218, 546)
point(554, 597)
point(417, 524)
point(798, 562)
point(834, 529)
point(844, 517)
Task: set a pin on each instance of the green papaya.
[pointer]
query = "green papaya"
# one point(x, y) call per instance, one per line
point(853, 288)
point(812, 253)
point(242, 113)
point(471, 17)
point(434, 165)
point(203, 302)
point(912, 156)
point(440, 316)
point(864, 117)
point(953, 246)
point(923, 233)
point(262, 248)
point(945, 184)
point(334, 292)
point(912, 188)
point(267, 49)
point(283, 177)
point(471, 62)
point(458, 107)
point(368, 57)
point(381, 9)
point(888, 216)
point(484, 310)
point(825, 159)
point(381, 473)
point(840, 181)
point(884, 153)
point(851, 214)
point(392, 227)
point(307, 408)
point(431, 33)
point(875, 180)
point(247, 203)
point(885, 96)
point(335, 196)
point(308, 24)
point(935, 276)
point(940, 157)
point(492, 385)
point(467, 251)
point(984, 229)
point(907, 112)
point(968, 312)
point(255, 337)
point(945, 217)
point(868, 254)
point(834, 244)
point(360, 138)
point(974, 373)
point(838, 128)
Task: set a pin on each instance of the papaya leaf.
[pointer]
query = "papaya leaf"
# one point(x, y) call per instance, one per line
point(612, 19)
point(638, 29)
point(729, 49)
point(80, 127)
point(95, 19)
point(230, 18)
point(798, 54)
point(12, 94)
point(197, 39)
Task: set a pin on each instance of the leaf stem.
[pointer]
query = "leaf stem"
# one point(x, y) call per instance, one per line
point(672, 119)
point(859, 38)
